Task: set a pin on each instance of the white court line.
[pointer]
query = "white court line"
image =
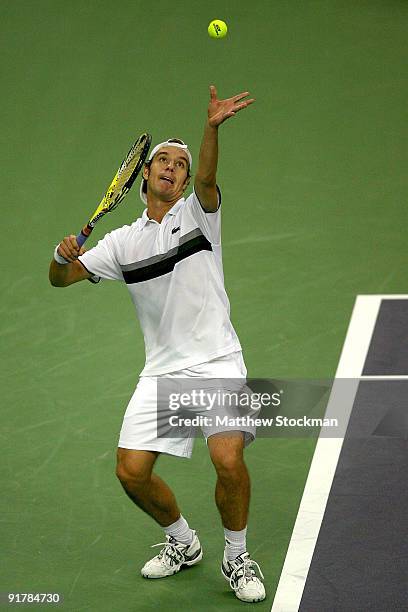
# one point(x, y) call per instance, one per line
point(388, 377)
point(315, 495)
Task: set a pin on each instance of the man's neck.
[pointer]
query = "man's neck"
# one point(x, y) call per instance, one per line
point(156, 209)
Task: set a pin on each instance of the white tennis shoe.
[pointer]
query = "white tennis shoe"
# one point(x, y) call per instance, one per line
point(242, 578)
point(172, 557)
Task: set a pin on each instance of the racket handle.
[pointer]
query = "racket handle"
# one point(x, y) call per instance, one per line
point(83, 235)
point(81, 239)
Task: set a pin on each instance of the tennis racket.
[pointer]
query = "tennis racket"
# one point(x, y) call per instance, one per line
point(121, 184)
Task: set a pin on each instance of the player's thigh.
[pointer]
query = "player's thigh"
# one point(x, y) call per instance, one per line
point(135, 464)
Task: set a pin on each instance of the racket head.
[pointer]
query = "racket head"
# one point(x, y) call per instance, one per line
point(124, 177)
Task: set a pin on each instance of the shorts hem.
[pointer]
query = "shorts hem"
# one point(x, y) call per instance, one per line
point(249, 436)
point(156, 449)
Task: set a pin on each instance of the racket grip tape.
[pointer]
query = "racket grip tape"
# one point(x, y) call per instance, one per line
point(83, 235)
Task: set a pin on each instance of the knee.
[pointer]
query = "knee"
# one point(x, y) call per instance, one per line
point(228, 465)
point(132, 475)
point(227, 454)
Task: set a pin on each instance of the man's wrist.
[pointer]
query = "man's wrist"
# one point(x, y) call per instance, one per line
point(211, 127)
point(58, 257)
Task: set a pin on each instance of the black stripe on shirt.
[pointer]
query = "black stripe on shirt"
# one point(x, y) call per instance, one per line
point(166, 265)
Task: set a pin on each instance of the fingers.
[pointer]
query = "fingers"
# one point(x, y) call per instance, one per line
point(228, 115)
point(236, 109)
point(234, 99)
point(68, 249)
point(239, 97)
point(220, 110)
point(239, 107)
point(213, 93)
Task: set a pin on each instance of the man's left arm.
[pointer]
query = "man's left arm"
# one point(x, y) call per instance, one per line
point(205, 182)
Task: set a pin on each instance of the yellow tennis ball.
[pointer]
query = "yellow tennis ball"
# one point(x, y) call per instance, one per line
point(217, 28)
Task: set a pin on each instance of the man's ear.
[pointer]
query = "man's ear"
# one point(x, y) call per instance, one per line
point(186, 183)
point(146, 171)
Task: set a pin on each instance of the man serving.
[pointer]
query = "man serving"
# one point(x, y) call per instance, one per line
point(170, 260)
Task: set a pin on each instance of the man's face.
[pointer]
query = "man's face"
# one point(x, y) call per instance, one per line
point(167, 175)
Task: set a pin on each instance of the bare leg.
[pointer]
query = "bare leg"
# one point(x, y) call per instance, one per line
point(147, 490)
point(232, 491)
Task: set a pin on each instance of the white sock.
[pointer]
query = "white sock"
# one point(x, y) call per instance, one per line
point(180, 531)
point(235, 543)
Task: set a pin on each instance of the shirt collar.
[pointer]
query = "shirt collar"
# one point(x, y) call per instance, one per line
point(173, 210)
point(144, 219)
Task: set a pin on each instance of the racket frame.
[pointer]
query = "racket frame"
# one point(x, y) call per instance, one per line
point(105, 206)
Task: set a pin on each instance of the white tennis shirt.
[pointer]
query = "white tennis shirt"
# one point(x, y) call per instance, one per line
point(174, 274)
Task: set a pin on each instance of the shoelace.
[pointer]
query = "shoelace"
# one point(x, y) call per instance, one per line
point(170, 551)
point(247, 573)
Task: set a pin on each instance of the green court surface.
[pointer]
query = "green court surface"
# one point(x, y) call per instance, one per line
point(314, 189)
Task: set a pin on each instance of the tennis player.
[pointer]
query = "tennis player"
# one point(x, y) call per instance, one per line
point(170, 260)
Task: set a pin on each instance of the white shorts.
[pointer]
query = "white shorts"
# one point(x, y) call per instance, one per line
point(139, 428)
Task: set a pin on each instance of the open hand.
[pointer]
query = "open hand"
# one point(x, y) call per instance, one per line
point(220, 110)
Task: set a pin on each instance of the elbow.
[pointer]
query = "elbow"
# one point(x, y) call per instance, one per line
point(207, 195)
point(55, 283)
point(55, 280)
point(205, 182)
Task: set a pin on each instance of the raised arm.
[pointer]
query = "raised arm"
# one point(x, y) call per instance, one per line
point(205, 178)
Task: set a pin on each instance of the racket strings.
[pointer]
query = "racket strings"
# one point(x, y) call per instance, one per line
point(133, 156)
point(124, 178)
point(120, 186)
